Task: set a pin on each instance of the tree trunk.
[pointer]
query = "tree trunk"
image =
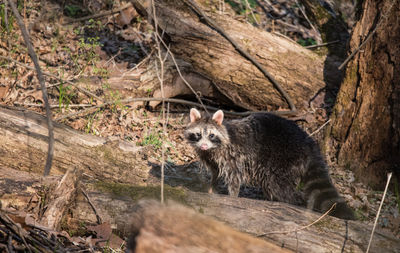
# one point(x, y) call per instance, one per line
point(117, 204)
point(208, 54)
point(23, 146)
point(365, 127)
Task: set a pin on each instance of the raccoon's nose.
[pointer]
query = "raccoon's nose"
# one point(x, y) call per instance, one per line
point(204, 146)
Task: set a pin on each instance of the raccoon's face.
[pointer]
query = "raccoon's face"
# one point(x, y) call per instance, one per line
point(205, 134)
point(203, 137)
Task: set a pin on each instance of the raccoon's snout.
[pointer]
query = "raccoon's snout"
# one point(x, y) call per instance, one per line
point(204, 146)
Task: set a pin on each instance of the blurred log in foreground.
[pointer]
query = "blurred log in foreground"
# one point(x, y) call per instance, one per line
point(175, 228)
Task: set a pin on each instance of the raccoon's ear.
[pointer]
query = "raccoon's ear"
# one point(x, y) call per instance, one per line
point(218, 117)
point(194, 115)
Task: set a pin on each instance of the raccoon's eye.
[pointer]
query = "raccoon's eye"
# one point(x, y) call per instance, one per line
point(211, 136)
point(194, 136)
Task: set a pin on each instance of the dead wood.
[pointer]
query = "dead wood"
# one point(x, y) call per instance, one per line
point(205, 52)
point(23, 146)
point(255, 217)
point(60, 200)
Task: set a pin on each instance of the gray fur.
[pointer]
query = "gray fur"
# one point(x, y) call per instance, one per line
point(266, 151)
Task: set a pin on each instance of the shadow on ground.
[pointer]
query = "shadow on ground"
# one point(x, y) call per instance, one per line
point(192, 177)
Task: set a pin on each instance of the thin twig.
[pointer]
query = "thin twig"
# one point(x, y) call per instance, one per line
point(357, 50)
point(319, 128)
point(9, 244)
point(323, 44)
point(251, 12)
point(284, 36)
point(140, 63)
point(99, 220)
point(212, 24)
point(54, 106)
point(379, 210)
point(15, 228)
point(172, 100)
point(34, 58)
point(384, 16)
point(88, 93)
point(180, 74)
point(6, 15)
point(161, 79)
point(22, 236)
point(300, 228)
point(98, 15)
point(309, 22)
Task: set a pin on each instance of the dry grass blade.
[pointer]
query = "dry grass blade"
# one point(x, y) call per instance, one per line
point(379, 211)
point(300, 228)
point(160, 75)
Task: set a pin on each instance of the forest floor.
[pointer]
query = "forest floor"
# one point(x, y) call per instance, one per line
point(109, 56)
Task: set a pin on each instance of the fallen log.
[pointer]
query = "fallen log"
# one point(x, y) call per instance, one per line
point(23, 146)
point(272, 221)
point(208, 54)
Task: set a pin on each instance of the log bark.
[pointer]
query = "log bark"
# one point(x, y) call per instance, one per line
point(23, 146)
point(365, 130)
point(208, 54)
point(255, 217)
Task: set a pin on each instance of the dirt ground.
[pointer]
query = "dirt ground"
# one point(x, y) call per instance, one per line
point(109, 56)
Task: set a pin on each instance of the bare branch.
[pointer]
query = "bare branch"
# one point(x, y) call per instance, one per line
point(34, 58)
point(98, 15)
point(171, 100)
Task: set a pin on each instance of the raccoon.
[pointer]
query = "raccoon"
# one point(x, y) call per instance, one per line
point(266, 151)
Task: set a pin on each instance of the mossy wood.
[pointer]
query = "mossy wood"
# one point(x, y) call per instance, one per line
point(365, 129)
point(205, 52)
point(332, 27)
point(23, 146)
point(118, 204)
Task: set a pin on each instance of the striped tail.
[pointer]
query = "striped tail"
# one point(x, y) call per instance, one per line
point(321, 194)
